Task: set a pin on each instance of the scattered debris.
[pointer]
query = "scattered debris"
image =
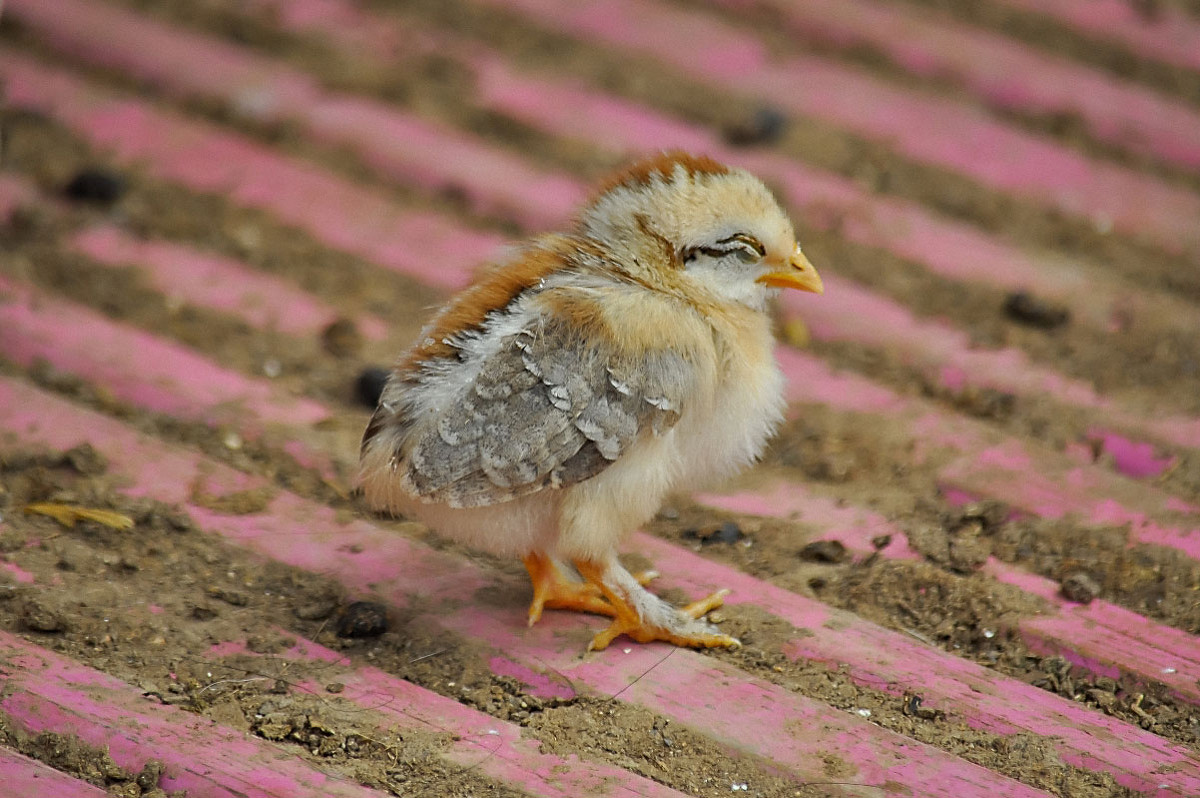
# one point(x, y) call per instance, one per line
point(728, 532)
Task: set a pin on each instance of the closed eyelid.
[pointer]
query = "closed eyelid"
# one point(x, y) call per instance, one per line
point(748, 240)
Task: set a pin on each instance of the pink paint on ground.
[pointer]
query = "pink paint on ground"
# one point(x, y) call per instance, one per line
point(1005, 471)
point(1003, 71)
point(538, 683)
point(918, 125)
point(1132, 458)
point(308, 536)
point(305, 530)
point(47, 692)
point(23, 777)
point(1167, 34)
point(18, 573)
point(138, 367)
point(261, 300)
point(494, 748)
point(400, 144)
point(207, 159)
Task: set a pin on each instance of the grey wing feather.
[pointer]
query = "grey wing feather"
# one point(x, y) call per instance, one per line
point(545, 410)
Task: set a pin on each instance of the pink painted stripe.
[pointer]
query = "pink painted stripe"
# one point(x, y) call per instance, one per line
point(138, 367)
point(916, 124)
point(1000, 70)
point(434, 156)
point(739, 711)
point(492, 747)
point(1105, 639)
point(1052, 491)
point(1030, 478)
point(205, 158)
point(850, 312)
point(261, 300)
point(1168, 34)
point(47, 692)
point(22, 776)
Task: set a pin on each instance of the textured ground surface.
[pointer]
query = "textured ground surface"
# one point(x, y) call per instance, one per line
point(970, 565)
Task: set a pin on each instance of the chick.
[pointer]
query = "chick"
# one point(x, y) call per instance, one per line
point(547, 410)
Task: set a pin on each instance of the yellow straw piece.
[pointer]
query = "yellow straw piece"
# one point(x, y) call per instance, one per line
point(67, 515)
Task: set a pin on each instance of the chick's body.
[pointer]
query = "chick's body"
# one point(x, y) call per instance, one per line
point(548, 409)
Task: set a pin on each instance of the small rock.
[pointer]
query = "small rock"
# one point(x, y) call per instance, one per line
point(881, 542)
point(39, 616)
point(830, 551)
point(95, 185)
point(1080, 587)
point(363, 619)
point(1023, 307)
point(765, 126)
point(204, 612)
point(230, 596)
point(369, 385)
point(342, 338)
point(335, 687)
point(728, 532)
point(317, 610)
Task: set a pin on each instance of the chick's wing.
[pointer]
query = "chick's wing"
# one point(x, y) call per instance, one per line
point(547, 409)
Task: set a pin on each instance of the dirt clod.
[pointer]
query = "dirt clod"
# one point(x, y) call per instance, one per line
point(828, 551)
point(1027, 309)
point(342, 338)
point(363, 619)
point(765, 126)
point(40, 614)
point(94, 185)
point(1080, 587)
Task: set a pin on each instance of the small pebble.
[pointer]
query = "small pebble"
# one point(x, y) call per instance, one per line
point(1027, 309)
point(1080, 587)
point(363, 619)
point(334, 687)
point(341, 338)
point(95, 185)
point(765, 126)
point(830, 551)
point(369, 385)
point(881, 542)
point(728, 532)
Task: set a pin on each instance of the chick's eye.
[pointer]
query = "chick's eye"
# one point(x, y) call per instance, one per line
point(745, 248)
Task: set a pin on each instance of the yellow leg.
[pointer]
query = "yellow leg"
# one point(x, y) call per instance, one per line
point(645, 617)
point(554, 590)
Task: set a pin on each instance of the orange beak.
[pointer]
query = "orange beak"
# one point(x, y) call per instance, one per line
point(797, 273)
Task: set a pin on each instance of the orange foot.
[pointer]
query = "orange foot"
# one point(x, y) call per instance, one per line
point(645, 617)
point(554, 590)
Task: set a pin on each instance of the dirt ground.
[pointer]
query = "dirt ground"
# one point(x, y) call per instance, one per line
point(91, 580)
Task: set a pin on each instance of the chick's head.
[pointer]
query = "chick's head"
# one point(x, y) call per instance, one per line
point(681, 221)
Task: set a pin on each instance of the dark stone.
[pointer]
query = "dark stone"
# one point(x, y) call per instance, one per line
point(831, 551)
point(765, 126)
point(728, 532)
point(95, 185)
point(363, 619)
point(369, 385)
point(1027, 309)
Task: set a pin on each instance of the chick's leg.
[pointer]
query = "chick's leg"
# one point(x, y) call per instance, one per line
point(552, 589)
point(644, 617)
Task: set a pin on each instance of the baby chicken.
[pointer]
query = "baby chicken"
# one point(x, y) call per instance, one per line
point(546, 410)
